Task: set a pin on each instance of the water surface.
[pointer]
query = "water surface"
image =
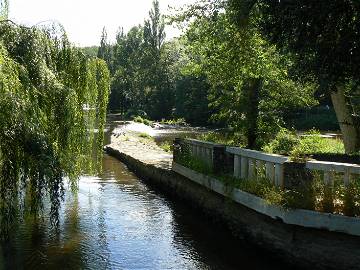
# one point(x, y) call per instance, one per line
point(116, 221)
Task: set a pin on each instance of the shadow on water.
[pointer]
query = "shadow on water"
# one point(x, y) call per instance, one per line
point(115, 221)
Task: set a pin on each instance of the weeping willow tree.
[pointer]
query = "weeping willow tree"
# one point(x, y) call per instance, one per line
point(52, 98)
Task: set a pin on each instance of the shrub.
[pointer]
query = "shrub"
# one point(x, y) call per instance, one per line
point(288, 143)
point(147, 122)
point(233, 139)
point(130, 114)
point(145, 135)
point(166, 146)
point(139, 119)
point(351, 198)
point(178, 122)
point(313, 143)
point(284, 143)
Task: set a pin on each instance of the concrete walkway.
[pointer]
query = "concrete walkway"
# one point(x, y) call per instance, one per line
point(142, 149)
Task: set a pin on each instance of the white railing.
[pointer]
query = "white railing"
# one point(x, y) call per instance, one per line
point(247, 164)
point(202, 150)
point(330, 168)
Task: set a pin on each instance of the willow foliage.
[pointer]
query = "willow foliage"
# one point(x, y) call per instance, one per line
point(52, 98)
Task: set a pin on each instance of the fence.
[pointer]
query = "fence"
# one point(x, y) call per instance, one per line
point(208, 152)
point(329, 169)
point(248, 164)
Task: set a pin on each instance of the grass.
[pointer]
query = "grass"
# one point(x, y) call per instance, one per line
point(139, 119)
point(261, 187)
point(166, 146)
point(175, 122)
point(298, 148)
point(144, 135)
point(146, 139)
point(313, 195)
point(233, 139)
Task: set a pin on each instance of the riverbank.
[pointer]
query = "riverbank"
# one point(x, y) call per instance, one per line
point(309, 248)
point(139, 146)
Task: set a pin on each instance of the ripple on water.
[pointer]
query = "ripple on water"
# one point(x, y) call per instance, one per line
point(117, 222)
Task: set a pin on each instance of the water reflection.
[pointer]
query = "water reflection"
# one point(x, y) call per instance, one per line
point(117, 222)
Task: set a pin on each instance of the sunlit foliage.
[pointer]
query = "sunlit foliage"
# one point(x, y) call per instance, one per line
point(251, 89)
point(52, 99)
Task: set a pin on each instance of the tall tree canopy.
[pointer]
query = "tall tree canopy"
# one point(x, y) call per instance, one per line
point(142, 77)
point(324, 38)
point(250, 84)
point(52, 98)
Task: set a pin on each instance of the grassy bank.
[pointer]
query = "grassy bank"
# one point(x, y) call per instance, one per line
point(313, 195)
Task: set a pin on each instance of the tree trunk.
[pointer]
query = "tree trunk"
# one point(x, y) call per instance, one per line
point(349, 129)
point(253, 111)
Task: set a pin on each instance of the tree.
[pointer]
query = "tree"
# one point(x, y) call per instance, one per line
point(52, 98)
point(4, 9)
point(324, 37)
point(191, 99)
point(104, 51)
point(127, 90)
point(250, 85)
point(159, 87)
point(154, 34)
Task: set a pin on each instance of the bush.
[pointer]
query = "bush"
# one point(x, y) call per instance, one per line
point(166, 146)
point(313, 143)
point(288, 143)
point(233, 139)
point(145, 135)
point(177, 122)
point(283, 144)
point(139, 119)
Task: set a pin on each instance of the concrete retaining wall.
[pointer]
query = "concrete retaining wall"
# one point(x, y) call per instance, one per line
point(306, 247)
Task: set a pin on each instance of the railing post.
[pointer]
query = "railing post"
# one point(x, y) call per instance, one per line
point(279, 175)
point(244, 168)
point(251, 172)
point(237, 166)
point(347, 177)
point(270, 171)
point(219, 159)
point(328, 177)
point(259, 166)
point(177, 150)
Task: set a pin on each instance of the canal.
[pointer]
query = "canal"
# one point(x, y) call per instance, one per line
point(116, 221)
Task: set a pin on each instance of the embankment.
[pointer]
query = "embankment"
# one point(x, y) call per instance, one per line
point(309, 248)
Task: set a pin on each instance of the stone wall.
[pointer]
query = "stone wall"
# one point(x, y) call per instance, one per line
point(305, 247)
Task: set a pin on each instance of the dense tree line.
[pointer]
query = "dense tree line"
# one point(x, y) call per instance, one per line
point(215, 71)
point(247, 63)
point(315, 43)
point(147, 74)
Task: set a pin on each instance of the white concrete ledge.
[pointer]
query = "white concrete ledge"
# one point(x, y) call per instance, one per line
point(257, 155)
point(333, 166)
point(299, 217)
point(203, 143)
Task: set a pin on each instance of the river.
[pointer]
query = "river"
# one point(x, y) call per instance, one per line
point(116, 221)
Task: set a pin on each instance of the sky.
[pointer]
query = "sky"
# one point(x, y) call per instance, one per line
point(84, 19)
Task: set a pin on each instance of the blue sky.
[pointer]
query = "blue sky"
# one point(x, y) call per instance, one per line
point(84, 19)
